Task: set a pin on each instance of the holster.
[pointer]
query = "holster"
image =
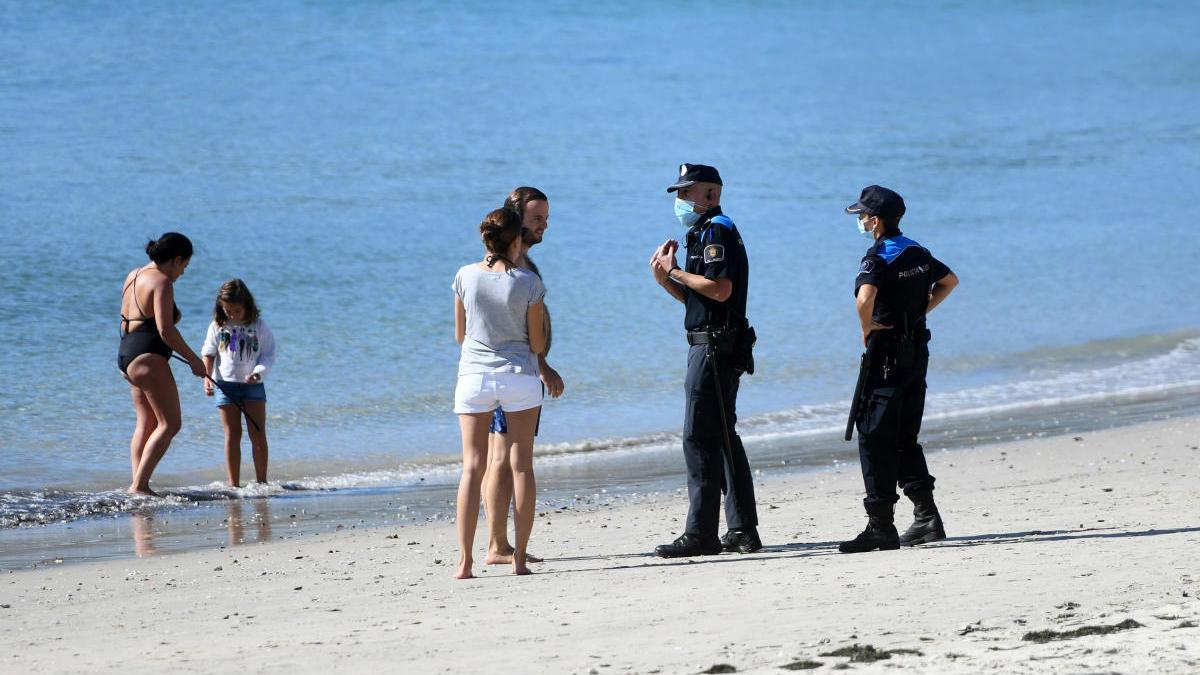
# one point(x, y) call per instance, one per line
point(743, 350)
point(735, 343)
point(900, 350)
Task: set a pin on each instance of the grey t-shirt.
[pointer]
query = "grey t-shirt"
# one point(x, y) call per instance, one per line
point(497, 339)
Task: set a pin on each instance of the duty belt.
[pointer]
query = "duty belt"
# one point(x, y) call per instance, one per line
point(698, 337)
point(893, 336)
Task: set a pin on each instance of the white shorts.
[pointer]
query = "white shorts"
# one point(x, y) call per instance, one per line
point(484, 392)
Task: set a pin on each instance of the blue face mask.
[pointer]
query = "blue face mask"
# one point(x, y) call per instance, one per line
point(686, 214)
point(862, 229)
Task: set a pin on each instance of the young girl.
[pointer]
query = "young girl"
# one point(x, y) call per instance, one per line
point(498, 320)
point(238, 352)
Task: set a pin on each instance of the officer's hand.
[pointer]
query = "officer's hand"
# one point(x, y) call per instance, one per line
point(553, 381)
point(665, 259)
point(656, 268)
point(659, 275)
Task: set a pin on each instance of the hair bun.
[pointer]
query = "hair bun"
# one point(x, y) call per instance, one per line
point(168, 247)
point(498, 230)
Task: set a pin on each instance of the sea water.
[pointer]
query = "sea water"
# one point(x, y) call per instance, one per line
point(338, 157)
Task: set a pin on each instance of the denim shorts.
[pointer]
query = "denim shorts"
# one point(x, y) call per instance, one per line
point(500, 422)
point(238, 392)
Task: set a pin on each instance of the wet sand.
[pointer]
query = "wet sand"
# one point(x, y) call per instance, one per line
point(1072, 553)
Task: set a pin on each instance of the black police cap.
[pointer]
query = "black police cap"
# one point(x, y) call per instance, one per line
point(690, 174)
point(878, 201)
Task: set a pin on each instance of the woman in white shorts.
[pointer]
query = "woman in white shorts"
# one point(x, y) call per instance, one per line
point(498, 321)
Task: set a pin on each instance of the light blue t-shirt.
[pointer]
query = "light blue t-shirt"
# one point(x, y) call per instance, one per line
point(497, 303)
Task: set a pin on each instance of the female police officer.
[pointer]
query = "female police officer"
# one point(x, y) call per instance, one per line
point(898, 283)
point(712, 288)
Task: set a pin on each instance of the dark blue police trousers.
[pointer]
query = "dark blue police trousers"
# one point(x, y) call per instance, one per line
point(888, 426)
point(702, 442)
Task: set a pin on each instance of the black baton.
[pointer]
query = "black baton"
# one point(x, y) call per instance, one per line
point(864, 369)
point(855, 403)
point(224, 391)
point(728, 446)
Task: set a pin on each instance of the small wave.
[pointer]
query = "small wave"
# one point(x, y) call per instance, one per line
point(42, 507)
point(24, 508)
point(1149, 377)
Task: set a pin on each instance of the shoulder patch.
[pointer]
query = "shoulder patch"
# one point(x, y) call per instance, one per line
point(867, 266)
point(714, 253)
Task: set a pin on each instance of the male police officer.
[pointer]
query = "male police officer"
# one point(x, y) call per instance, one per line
point(712, 287)
point(898, 283)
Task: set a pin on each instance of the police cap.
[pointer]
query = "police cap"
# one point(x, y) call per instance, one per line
point(690, 174)
point(878, 201)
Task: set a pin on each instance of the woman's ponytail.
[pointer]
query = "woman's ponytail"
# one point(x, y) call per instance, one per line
point(499, 230)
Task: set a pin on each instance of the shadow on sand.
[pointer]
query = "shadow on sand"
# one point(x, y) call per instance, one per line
point(812, 549)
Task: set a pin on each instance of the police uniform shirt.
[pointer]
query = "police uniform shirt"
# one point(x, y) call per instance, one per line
point(715, 251)
point(904, 272)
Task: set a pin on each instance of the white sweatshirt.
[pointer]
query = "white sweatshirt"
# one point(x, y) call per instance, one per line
point(240, 350)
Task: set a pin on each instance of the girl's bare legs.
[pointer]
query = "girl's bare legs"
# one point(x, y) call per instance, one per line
point(521, 426)
point(146, 423)
point(257, 410)
point(152, 375)
point(231, 419)
point(474, 428)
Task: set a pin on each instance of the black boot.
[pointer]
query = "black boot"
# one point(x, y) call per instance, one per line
point(744, 540)
point(927, 522)
point(687, 545)
point(880, 533)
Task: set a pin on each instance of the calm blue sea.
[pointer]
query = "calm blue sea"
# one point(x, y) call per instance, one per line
point(338, 157)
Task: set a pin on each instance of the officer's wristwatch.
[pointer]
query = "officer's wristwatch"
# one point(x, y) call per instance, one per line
point(677, 267)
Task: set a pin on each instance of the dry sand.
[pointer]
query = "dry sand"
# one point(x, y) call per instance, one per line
point(1053, 534)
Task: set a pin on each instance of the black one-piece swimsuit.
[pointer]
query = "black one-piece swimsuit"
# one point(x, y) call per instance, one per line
point(145, 338)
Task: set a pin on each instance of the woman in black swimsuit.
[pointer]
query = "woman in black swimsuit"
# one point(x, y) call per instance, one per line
point(146, 344)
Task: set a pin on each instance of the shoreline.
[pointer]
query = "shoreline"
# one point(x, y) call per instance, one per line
point(1052, 534)
point(201, 518)
point(395, 444)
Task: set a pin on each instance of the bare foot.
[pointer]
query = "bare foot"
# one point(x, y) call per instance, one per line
point(519, 561)
point(145, 492)
point(519, 565)
point(464, 570)
point(494, 558)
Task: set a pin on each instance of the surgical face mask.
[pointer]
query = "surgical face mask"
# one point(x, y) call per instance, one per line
point(685, 212)
point(862, 228)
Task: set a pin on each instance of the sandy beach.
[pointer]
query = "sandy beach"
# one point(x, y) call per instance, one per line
point(1066, 554)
